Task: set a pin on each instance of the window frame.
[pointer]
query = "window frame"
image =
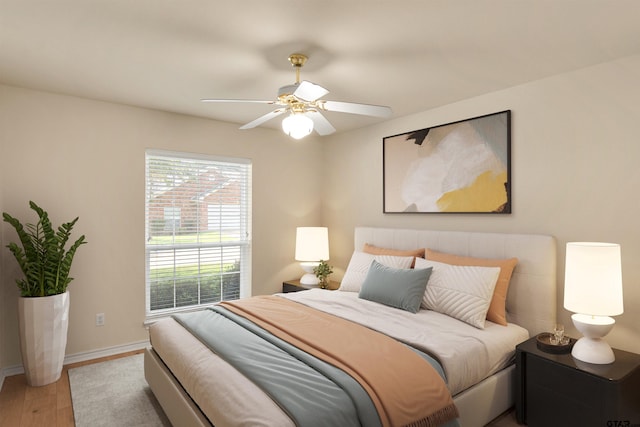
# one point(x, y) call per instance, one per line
point(243, 243)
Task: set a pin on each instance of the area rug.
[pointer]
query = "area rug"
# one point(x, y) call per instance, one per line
point(114, 393)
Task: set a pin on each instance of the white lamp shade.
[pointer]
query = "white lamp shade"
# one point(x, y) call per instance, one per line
point(312, 244)
point(297, 125)
point(593, 279)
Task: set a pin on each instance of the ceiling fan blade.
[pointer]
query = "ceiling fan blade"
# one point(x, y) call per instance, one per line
point(262, 119)
point(320, 123)
point(255, 101)
point(307, 91)
point(349, 107)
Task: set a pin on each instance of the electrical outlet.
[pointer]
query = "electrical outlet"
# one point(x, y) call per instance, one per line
point(100, 319)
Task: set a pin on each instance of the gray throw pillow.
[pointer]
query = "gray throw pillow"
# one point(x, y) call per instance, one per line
point(396, 287)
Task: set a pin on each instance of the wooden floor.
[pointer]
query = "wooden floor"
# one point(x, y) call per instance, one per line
point(46, 406)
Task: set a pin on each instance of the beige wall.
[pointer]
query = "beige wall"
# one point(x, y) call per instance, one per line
point(575, 174)
point(575, 147)
point(77, 157)
point(3, 341)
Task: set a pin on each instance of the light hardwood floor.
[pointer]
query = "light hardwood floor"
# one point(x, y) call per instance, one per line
point(46, 406)
point(505, 420)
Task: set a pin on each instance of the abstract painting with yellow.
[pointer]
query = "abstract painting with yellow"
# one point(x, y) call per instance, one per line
point(459, 167)
point(486, 194)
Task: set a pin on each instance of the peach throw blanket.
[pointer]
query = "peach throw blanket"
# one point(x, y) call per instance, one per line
point(406, 389)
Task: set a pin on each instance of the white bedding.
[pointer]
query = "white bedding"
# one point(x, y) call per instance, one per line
point(468, 354)
point(225, 396)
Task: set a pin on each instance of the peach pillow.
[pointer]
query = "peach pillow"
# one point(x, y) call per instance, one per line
point(497, 312)
point(375, 250)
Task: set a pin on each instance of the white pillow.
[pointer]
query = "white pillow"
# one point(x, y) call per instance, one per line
point(359, 267)
point(462, 292)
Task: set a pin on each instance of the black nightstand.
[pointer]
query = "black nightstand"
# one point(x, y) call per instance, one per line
point(558, 390)
point(295, 286)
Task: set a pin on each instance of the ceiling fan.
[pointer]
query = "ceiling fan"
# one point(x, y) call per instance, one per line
point(303, 106)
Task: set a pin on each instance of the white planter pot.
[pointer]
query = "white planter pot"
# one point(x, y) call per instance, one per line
point(43, 325)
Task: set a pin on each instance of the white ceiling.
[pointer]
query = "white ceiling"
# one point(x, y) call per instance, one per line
point(409, 55)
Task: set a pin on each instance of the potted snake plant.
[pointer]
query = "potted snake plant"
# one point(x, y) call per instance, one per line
point(43, 307)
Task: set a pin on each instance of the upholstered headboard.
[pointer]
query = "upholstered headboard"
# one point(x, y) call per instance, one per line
point(531, 301)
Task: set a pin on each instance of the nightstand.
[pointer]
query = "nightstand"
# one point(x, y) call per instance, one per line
point(558, 390)
point(295, 286)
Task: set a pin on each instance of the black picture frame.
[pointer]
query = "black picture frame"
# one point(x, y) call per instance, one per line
point(458, 167)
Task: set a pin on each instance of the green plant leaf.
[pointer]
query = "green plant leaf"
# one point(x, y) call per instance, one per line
point(43, 259)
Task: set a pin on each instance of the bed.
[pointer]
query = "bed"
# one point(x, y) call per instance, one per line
point(189, 380)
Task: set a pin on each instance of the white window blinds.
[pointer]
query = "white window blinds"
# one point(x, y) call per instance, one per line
point(198, 237)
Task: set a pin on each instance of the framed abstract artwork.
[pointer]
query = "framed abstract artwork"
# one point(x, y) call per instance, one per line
point(459, 167)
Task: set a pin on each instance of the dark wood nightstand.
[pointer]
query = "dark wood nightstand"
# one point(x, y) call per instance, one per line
point(295, 286)
point(558, 390)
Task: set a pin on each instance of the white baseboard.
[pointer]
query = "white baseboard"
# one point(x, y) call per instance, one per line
point(10, 371)
point(80, 357)
point(104, 352)
point(2, 376)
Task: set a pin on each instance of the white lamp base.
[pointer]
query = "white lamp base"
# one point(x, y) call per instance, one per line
point(309, 279)
point(592, 348)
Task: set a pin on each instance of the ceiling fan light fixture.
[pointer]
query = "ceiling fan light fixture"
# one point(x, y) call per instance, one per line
point(304, 106)
point(297, 125)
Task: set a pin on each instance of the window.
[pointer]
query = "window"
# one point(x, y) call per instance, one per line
point(198, 236)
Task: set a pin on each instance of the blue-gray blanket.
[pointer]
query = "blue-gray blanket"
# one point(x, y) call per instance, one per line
point(312, 392)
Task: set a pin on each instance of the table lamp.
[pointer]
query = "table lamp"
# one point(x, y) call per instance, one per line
point(312, 246)
point(593, 291)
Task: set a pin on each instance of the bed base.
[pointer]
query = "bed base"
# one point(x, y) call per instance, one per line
point(175, 402)
point(487, 400)
point(477, 405)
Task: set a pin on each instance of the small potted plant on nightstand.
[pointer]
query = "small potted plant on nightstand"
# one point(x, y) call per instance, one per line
point(322, 272)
